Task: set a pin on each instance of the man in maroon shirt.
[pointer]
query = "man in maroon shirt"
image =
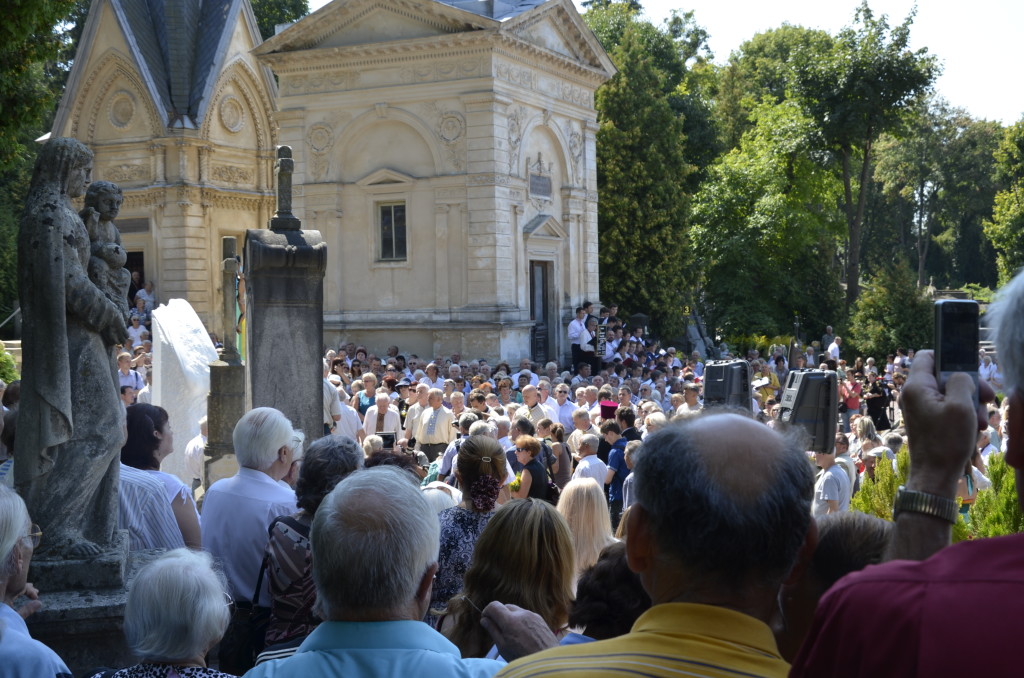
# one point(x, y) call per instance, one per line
point(956, 613)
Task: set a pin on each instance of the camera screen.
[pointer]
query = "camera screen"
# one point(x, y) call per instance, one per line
point(959, 339)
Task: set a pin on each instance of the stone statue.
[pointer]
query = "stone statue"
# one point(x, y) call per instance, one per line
point(106, 263)
point(70, 424)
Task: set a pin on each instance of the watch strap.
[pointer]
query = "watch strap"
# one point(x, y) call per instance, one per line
point(923, 502)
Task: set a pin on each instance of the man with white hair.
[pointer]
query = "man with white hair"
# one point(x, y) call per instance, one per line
point(590, 465)
point(381, 417)
point(375, 545)
point(238, 510)
point(434, 428)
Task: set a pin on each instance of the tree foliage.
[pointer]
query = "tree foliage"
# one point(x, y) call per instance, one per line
point(765, 226)
point(761, 71)
point(270, 13)
point(857, 90)
point(890, 313)
point(641, 163)
point(1006, 228)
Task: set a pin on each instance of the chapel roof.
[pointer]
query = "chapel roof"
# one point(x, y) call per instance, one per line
point(495, 9)
point(177, 43)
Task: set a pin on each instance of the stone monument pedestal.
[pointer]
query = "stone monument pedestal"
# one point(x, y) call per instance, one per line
point(84, 625)
point(284, 276)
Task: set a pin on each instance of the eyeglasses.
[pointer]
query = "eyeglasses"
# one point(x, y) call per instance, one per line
point(35, 535)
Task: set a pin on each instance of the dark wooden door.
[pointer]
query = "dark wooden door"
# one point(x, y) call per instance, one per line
point(540, 279)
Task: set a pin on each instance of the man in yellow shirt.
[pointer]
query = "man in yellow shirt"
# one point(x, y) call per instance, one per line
point(723, 509)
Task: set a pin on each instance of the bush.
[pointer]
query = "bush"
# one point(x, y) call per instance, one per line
point(8, 368)
point(997, 511)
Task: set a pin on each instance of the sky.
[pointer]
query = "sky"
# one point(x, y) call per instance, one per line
point(974, 41)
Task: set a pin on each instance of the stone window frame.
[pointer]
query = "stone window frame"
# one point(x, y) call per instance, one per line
point(378, 208)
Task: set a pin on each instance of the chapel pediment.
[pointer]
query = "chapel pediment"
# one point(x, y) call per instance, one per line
point(554, 27)
point(385, 177)
point(544, 226)
point(347, 23)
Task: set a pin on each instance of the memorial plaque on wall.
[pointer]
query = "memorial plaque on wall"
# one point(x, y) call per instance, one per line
point(540, 186)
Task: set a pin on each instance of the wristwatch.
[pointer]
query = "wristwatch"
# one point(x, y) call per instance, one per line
point(923, 502)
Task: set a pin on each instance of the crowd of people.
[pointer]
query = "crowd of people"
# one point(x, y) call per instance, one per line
point(465, 519)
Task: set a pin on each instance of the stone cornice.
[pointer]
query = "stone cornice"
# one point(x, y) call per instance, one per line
point(185, 194)
point(314, 29)
point(439, 47)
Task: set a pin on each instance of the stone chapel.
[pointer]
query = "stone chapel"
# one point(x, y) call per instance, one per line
point(445, 150)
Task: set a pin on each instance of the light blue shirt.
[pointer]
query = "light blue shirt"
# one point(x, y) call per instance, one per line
point(20, 655)
point(366, 649)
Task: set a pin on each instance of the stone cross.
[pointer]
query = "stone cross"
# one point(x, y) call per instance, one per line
point(229, 275)
point(283, 219)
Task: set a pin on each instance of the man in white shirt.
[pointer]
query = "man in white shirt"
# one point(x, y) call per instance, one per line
point(412, 417)
point(590, 466)
point(576, 327)
point(382, 417)
point(195, 454)
point(238, 510)
point(833, 348)
point(582, 426)
point(434, 429)
point(135, 332)
point(332, 405)
point(565, 407)
point(349, 424)
point(546, 401)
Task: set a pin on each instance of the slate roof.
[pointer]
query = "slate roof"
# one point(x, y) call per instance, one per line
point(495, 9)
point(178, 43)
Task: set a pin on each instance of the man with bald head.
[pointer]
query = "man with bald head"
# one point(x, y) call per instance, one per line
point(712, 547)
point(532, 409)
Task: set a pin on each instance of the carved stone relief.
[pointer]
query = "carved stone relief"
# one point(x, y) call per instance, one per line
point(231, 174)
point(320, 140)
point(125, 172)
point(122, 109)
point(232, 114)
point(516, 118)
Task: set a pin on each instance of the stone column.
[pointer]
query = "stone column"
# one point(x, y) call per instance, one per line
point(285, 269)
point(225, 403)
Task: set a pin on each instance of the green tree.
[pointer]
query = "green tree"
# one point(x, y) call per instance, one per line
point(642, 216)
point(270, 13)
point(856, 91)
point(891, 312)
point(761, 71)
point(765, 224)
point(938, 177)
point(1006, 228)
point(29, 39)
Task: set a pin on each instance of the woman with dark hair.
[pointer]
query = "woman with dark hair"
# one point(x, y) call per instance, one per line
point(524, 557)
point(609, 598)
point(480, 468)
point(288, 557)
point(150, 441)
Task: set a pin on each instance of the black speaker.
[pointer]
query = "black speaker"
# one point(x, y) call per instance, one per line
point(811, 400)
point(727, 382)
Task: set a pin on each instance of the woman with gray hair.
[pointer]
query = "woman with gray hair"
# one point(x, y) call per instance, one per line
point(177, 610)
point(288, 559)
point(20, 655)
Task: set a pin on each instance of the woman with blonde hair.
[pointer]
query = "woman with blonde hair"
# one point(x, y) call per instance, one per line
point(585, 510)
point(524, 557)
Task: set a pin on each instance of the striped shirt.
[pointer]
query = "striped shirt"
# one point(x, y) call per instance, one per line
point(143, 510)
point(673, 639)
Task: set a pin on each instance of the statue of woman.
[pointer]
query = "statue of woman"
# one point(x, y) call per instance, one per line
point(70, 423)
